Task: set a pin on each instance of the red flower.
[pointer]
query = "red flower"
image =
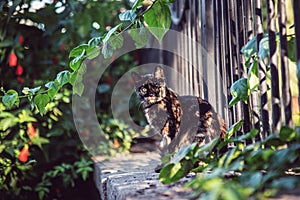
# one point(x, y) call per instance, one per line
point(116, 144)
point(31, 130)
point(13, 59)
point(19, 70)
point(62, 47)
point(109, 81)
point(21, 39)
point(20, 79)
point(23, 156)
point(55, 60)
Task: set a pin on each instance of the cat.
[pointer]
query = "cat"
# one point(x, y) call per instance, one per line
point(181, 120)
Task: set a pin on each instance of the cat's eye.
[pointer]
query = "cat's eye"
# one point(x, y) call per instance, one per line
point(144, 90)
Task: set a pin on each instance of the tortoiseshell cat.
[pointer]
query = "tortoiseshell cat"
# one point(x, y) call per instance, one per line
point(181, 120)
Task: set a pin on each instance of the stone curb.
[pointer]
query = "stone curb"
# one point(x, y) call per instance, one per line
point(132, 177)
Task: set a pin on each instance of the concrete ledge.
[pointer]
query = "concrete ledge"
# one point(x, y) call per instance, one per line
point(132, 177)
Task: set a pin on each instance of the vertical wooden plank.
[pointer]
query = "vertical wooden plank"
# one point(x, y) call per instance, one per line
point(200, 51)
point(262, 72)
point(240, 36)
point(254, 97)
point(204, 49)
point(286, 92)
point(297, 32)
point(225, 58)
point(194, 18)
point(276, 114)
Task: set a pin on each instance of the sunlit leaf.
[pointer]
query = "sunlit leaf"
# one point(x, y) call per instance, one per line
point(41, 100)
point(10, 99)
point(233, 129)
point(158, 19)
point(140, 36)
point(239, 91)
point(63, 77)
point(128, 15)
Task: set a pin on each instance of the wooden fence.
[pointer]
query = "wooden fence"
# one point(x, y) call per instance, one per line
point(222, 28)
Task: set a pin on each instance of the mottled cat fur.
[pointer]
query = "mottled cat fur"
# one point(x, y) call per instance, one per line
point(181, 120)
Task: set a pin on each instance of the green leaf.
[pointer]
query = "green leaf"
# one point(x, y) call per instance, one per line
point(111, 32)
point(249, 49)
point(116, 42)
point(174, 172)
point(291, 42)
point(207, 147)
point(95, 41)
point(140, 36)
point(253, 80)
point(107, 50)
point(53, 88)
point(158, 19)
point(184, 152)
point(8, 120)
point(137, 4)
point(76, 62)
point(6, 43)
point(41, 101)
point(239, 91)
point(246, 136)
point(128, 15)
point(92, 52)
point(77, 51)
point(10, 99)
point(263, 48)
point(287, 134)
point(233, 129)
point(63, 77)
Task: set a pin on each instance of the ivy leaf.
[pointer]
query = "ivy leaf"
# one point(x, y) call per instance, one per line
point(41, 101)
point(92, 52)
point(249, 49)
point(128, 15)
point(95, 41)
point(107, 50)
point(174, 172)
point(263, 48)
point(292, 48)
point(63, 77)
point(10, 99)
point(111, 32)
point(233, 129)
point(53, 88)
point(76, 62)
point(287, 134)
point(140, 36)
point(158, 19)
point(184, 151)
point(77, 51)
point(137, 4)
point(253, 80)
point(239, 91)
point(116, 42)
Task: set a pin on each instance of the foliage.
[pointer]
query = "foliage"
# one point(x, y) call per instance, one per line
point(258, 169)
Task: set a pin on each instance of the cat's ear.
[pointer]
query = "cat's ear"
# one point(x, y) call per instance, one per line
point(159, 73)
point(135, 76)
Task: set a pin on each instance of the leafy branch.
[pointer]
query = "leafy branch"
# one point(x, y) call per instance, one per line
point(145, 14)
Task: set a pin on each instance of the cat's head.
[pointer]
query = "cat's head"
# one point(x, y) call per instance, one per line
point(150, 88)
